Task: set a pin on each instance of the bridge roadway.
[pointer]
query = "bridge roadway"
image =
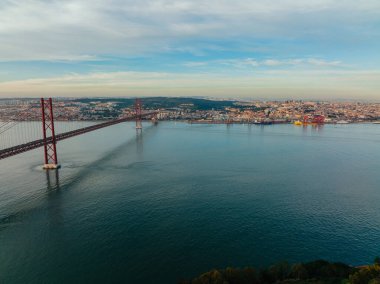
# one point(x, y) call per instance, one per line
point(12, 151)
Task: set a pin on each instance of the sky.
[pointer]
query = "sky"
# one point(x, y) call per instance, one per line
point(278, 49)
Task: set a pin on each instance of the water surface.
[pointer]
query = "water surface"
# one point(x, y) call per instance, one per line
point(182, 199)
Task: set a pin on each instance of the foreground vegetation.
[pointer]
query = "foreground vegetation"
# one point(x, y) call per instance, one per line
point(315, 272)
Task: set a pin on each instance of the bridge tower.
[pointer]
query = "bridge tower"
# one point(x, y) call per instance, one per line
point(50, 148)
point(138, 113)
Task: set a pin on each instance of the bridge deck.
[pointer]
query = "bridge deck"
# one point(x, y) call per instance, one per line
point(12, 151)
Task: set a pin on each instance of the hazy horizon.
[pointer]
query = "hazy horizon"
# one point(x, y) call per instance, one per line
point(237, 99)
point(292, 49)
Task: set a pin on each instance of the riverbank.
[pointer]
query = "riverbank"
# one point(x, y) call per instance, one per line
point(270, 122)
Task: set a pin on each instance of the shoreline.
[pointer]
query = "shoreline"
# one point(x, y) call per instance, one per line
point(215, 121)
point(275, 122)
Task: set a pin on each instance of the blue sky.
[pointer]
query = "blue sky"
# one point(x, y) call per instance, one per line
point(315, 49)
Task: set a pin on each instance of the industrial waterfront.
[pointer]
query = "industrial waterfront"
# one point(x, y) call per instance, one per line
point(180, 199)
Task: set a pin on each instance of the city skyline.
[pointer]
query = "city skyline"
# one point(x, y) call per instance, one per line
point(278, 50)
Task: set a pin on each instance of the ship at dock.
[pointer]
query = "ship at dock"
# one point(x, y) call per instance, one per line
point(317, 119)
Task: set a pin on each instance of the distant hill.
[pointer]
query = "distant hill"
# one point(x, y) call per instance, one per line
point(167, 102)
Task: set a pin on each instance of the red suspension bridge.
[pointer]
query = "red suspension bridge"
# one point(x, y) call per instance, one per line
point(50, 138)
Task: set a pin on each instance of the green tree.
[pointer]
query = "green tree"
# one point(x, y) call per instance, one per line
point(280, 271)
point(299, 271)
point(251, 275)
point(233, 275)
point(212, 277)
point(365, 275)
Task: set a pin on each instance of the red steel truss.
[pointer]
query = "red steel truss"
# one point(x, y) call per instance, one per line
point(50, 148)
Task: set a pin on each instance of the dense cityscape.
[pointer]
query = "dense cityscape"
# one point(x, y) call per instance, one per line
point(196, 110)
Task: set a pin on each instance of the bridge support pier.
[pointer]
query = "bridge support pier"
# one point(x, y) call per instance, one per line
point(50, 148)
point(51, 166)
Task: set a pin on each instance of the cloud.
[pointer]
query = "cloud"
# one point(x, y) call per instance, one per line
point(40, 29)
point(238, 63)
point(271, 63)
point(270, 47)
point(319, 62)
point(56, 58)
point(195, 64)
